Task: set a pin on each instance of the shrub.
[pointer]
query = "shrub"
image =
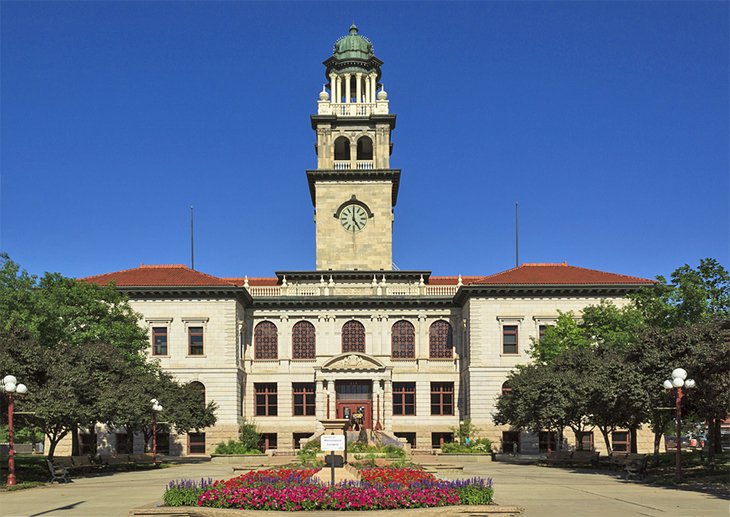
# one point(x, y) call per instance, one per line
point(474, 491)
point(233, 447)
point(480, 446)
point(248, 435)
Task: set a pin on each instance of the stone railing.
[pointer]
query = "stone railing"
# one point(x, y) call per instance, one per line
point(441, 290)
point(352, 109)
point(342, 165)
point(364, 165)
point(350, 290)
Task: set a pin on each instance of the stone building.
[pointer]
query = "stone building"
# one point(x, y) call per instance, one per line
point(414, 353)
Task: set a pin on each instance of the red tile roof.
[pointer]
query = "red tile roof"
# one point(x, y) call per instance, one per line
point(557, 274)
point(164, 275)
point(452, 280)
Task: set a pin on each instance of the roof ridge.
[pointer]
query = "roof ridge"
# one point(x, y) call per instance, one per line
point(611, 273)
point(163, 266)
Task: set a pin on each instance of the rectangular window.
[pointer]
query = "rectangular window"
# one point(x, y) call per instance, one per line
point(439, 439)
point(268, 441)
point(297, 439)
point(159, 340)
point(548, 441)
point(410, 438)
point(510, 442)
point(442, 398)
point(196, 443)
point(620, 441)
point(122, 443)
point(87, 443)
point(509, 339)
point(304, 398)
point(195, 340)
point(586, 443)
point(404, 398)
point(265, 399)
point(163, 442)
point(541, 332)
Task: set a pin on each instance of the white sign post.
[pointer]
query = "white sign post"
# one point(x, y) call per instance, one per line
point(332, 443)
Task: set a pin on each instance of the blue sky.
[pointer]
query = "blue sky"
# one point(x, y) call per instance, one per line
point(608, 122)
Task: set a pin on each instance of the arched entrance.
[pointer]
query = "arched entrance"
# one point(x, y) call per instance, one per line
point(355, 384)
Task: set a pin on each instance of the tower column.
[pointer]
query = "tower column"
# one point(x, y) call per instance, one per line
point(366, 84)
point(347, 88)
point(373, 88)
point(339, 89)
point(333, 87)
point(358, 87)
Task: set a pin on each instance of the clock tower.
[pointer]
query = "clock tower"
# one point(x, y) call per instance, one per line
point(353, 188)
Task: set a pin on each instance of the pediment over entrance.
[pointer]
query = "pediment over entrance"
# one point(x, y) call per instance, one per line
point(353, 361)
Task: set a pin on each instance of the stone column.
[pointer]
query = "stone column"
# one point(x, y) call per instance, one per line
point(358, 87)
point(333, 87)
point(373, 88)
point(339, 89)
point(321, 398)
point(347, 88)
point(388, 406)
point(333, 398)
point(377, 397)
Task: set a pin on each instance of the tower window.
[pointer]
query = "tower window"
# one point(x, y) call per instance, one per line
point(403, 340)
point(342, 148)
point(365, 148)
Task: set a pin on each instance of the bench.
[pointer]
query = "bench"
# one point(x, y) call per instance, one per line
point(117, 460)
point(144, 459)
point(584, 458)
point(617, 460)
point(572, 458)
point(58, 472)
point(635, 466)
point(558, 457)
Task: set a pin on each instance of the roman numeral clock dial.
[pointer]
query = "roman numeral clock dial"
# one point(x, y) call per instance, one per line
point(353, 218)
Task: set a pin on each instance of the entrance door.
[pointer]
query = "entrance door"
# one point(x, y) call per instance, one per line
point(351, 408)
point(354, 397)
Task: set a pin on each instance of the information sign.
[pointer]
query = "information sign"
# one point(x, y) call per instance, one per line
point(332, 442)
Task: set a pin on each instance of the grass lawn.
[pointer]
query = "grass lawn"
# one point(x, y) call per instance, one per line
point(696, 471)
point(30, 470)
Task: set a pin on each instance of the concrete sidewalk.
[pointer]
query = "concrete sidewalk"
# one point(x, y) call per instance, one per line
point(545, 492)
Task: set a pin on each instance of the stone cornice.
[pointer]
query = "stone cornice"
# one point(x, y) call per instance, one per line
point(194, 292)
point(521, 290)
point(322, 175)
point(351, 302)
point(378, 118)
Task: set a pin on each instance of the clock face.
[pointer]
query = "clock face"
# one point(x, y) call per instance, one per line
point(353, 218)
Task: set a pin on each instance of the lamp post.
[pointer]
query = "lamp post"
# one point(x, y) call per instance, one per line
point(156, 408)
point(10, 386)
point(679, 380)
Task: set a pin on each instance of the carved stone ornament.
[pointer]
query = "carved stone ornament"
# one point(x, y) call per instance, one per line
point(353, 361)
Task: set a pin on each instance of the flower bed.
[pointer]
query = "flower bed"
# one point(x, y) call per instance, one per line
point(294, 490)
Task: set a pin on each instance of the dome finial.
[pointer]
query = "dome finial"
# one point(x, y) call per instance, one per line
point(353, 28)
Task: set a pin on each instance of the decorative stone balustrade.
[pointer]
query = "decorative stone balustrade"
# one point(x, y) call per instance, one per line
point(353, 290)
point(352, 109)
point(342, 165)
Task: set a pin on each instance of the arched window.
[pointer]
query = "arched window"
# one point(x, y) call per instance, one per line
point(265, 341)
point(402, 340)
point(353, 337)
point(303, 341)
point(506, 388)
point(199, 389)
point(365, 148)
point(342, 148)
point(440, 340)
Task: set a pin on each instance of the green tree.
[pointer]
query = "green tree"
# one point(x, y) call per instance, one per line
point(566, 334)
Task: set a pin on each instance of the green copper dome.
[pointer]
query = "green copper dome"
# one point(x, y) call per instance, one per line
point(353, 46)
point(353, 53)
